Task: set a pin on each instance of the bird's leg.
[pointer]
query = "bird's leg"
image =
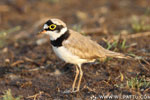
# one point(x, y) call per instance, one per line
point(75, 79)
point(80, 78)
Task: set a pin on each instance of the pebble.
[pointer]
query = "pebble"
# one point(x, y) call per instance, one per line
point(41, 41)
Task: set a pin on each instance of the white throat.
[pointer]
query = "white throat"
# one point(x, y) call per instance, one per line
point(54, 35)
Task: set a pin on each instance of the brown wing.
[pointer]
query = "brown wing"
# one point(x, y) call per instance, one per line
point(83, 46)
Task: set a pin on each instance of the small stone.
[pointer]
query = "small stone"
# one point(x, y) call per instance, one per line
point(16, 45)
point(124, 32)
point(5, 50)
point(7, 61)
point(41, 41)
point(12, 76)
point(57, 72)
point(81, 15)
point(104, 10)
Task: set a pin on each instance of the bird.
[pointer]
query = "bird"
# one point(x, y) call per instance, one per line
point(75, 48)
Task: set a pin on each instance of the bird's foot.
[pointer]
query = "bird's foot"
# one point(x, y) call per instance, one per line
point(75, 91)
point(67, 91)
point(70, 91)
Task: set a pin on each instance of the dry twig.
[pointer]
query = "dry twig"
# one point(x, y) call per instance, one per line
point(36, 95)
point(95, 31)
point(17, 62)
point(130, 36)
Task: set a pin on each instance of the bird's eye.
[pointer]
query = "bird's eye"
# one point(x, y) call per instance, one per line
point(52, 26)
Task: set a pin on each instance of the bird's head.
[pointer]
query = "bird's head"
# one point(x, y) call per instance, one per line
point(54, 28)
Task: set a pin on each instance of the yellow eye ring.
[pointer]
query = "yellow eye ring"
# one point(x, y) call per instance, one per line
point(52, 26)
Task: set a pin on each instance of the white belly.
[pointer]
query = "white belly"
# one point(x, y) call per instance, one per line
point(67, 56)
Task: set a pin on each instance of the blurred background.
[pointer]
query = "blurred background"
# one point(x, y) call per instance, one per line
point(84, 13)
point(118, 25)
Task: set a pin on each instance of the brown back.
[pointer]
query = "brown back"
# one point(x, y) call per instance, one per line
point(83, 46)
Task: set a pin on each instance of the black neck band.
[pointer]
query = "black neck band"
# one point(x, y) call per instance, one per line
point(58, 41)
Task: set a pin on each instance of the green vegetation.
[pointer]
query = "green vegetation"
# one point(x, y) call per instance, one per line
point(117, 44)
point(77, 28)
point(111, 45)
point(147, 12)
point(11, 30)
point(137, 83)
point(4, 34)
point(51, 1)
point(8, 96)
point(140, 24)
point(135, 56)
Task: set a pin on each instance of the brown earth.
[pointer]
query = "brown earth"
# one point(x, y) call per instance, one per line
point(31, 69)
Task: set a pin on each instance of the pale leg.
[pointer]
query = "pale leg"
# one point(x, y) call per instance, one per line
point(80, 78)
point(75, 79)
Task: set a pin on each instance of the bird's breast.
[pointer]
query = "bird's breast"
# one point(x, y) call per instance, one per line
point(64, 54)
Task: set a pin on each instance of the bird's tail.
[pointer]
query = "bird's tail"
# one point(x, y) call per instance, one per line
point(116, 55)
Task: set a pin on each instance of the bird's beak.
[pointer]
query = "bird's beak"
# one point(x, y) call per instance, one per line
point(42, 32)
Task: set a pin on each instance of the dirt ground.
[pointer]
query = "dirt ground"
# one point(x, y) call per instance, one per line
point(30, 69)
